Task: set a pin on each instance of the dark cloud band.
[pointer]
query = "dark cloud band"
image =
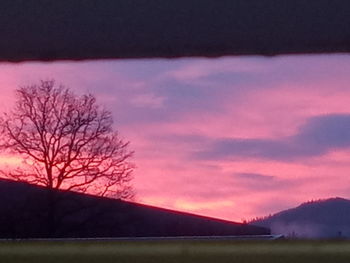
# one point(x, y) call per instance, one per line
point(318, 136)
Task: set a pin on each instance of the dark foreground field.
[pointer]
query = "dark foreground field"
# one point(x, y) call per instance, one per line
point(175, 251)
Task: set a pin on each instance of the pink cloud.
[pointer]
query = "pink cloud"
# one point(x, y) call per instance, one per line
point(171, 109)
point(147, 100)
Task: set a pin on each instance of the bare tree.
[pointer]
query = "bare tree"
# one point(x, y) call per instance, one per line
point(66, 142)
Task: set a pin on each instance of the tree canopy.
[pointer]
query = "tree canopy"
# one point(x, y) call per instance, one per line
point(66, 142)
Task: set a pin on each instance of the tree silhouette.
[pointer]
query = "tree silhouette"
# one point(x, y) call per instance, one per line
point(66, 142)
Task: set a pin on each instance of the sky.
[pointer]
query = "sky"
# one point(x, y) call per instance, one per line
point(232, 138)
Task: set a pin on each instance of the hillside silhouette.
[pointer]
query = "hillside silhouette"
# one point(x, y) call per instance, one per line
point(24, 210)
point(328, 218)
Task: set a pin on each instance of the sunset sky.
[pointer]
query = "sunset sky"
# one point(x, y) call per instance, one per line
point(233, 137)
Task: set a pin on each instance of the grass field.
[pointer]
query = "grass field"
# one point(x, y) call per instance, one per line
point(175, 251)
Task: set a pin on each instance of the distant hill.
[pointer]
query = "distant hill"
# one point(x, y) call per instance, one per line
point(25, 213)
point(328, 218)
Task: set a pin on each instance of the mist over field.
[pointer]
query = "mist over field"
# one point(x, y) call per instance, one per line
point(321, 219)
